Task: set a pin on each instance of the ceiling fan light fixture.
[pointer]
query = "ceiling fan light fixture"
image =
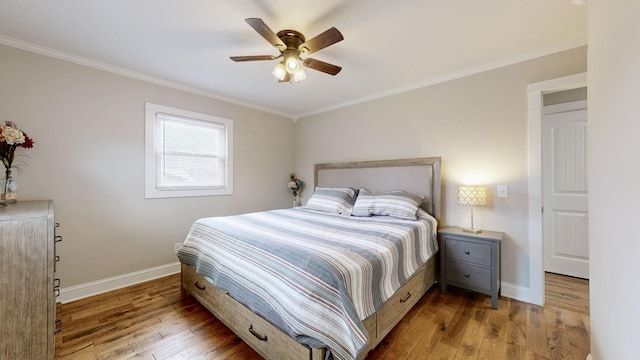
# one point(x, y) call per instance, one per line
point(299, 75)
point(292, 63)
point(292, 44)
point(279, 71)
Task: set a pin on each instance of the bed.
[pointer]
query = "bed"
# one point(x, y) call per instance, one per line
point(314, 282)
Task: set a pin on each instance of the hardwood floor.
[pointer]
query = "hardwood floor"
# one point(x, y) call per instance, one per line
point(156, 321)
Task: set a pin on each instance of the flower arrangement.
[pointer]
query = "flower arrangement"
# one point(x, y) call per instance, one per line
point(295, 185)
point(11, 138)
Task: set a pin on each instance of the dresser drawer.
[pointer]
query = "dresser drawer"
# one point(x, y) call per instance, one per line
point(468, 251)
point(206, 293)
point(469, 275)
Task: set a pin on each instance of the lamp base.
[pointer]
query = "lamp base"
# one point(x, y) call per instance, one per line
point(473, 231)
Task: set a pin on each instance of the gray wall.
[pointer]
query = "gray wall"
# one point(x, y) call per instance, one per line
point(478, 124)
point(88, 127)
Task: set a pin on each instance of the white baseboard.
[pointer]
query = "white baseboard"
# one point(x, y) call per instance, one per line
point(82, 291)
point(517, 292)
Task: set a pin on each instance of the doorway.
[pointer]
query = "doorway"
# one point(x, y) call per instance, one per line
point(535, 292)
point(564, 183)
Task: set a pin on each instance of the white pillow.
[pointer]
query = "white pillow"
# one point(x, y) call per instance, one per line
point(333, 200)
point(396, 203)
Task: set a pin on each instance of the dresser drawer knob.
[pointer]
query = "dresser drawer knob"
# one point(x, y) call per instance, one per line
point(406, 297)
point(467, 252)
point(466, 275)
point(58, 238)
point(56, 287)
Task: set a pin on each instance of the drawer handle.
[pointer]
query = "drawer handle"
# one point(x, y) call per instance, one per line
point(258, 336)
point(56, 283)
point(58, 238)
point(466, 275)
point(404, 299)
point(57, 258)
point(466, 252)
point(197, 284)
point(58, 327)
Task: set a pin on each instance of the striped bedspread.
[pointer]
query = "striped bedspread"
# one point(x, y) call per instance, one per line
point(314, 275)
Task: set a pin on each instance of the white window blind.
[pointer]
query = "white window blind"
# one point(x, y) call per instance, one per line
point(191, 153)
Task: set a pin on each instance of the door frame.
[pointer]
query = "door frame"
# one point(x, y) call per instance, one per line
point(535, 93)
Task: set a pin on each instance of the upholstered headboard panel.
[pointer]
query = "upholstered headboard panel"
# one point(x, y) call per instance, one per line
point(419, 176)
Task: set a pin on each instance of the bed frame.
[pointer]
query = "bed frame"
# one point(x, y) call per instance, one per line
point(421, 175)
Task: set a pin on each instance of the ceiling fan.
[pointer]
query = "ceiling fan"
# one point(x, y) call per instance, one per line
point(292, 44)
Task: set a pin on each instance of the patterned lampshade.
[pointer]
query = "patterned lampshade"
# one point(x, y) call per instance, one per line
point(472, 195)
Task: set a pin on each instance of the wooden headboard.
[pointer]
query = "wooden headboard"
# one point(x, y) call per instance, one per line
point(418, 176)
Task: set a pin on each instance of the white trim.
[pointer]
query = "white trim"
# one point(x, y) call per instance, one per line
point(514, 291)
point(152, 149)
point(82, 291)
point(57, 54)
point(565, 107)
point(534, 93)
point(5, 40)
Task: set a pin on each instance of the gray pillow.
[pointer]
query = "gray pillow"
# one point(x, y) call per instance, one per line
point(334, 200)
point(396, 203)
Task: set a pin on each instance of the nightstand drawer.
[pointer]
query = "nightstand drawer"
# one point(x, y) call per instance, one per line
point(467, 251)
point(469, 275)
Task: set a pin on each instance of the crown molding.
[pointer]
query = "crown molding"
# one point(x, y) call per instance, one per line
point(61, 55)
point(38, 49)
point(454, 75)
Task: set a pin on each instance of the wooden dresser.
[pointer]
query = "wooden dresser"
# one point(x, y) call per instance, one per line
point(27, 286)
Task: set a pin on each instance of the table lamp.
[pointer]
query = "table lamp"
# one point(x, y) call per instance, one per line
point(472, 196)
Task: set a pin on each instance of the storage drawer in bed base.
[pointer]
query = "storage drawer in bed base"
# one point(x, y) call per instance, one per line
point(273, 343)
point(264, 338)
point(206, 293)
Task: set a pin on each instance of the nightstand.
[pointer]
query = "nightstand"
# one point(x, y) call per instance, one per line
point(471, 261)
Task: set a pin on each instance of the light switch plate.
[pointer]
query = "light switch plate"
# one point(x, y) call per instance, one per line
point(503, 191)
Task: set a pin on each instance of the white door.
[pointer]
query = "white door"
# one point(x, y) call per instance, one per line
point(565, 215)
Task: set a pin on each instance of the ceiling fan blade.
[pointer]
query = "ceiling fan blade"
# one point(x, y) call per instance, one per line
point(262, 29)
point(254, 57)
point(321, 66)
point(321, 41)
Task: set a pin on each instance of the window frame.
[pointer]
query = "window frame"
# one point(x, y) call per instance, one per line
point(151, 188)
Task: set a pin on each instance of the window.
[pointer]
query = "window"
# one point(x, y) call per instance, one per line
point(187, 153)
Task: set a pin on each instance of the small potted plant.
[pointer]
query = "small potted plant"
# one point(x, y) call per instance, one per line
point(296, 186)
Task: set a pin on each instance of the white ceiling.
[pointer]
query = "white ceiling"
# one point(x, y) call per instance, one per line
point(389, 46)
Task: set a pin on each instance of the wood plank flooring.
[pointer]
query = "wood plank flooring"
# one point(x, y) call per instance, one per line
point(155, 321)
